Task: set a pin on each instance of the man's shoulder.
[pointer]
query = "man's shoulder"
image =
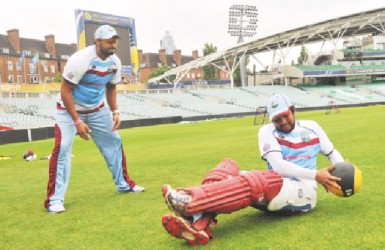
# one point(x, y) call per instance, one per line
point(84, 54)
point(116, 59)
point(267, 127)
point(89, 51)
point(307, 123)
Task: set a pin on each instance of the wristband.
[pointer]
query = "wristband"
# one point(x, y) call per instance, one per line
point(116, 111)
point(78, 121)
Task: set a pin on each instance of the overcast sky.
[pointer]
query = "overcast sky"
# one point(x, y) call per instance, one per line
point(192, 23)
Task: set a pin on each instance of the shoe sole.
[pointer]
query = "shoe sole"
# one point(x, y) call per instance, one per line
point(138, 191)
point(181, 229)
point(130, 191)
point(55, 212)
point(58, 212)
point(165, 189)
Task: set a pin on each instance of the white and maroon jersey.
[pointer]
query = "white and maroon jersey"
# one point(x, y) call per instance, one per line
point(91, 74)
point(300, 146)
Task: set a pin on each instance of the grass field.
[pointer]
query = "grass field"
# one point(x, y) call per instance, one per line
point(181, 154)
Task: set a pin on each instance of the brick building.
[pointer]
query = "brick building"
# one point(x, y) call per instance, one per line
point(149, 62)
point(17, 53)
point(18, 60)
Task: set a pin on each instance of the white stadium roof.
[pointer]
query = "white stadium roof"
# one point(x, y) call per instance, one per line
point(363, 23)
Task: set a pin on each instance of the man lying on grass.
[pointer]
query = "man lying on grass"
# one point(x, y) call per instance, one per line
point(289, 146)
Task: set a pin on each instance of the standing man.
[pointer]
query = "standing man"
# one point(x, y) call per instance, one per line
point(89, 78)
point(289, 146)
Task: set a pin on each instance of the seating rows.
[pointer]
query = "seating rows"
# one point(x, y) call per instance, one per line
point(321, 67)
point(316, 69)
point(40, 112)
point(349, 95)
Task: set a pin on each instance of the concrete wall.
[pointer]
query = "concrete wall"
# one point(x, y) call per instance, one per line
point(34, 134)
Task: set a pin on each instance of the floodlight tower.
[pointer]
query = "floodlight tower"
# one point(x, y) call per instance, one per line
point(243, 23)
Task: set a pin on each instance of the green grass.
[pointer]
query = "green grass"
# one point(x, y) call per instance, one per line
point(181, 155)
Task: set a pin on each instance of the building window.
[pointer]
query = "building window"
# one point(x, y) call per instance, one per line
point(32, 68)
point(192, 76)
point(10, 65)
point(53, 69)
point(10, 78)
point(18, 67)
point(5, 51)
point(45, 68)
point(198, 75)
point(47, 55)
point(188, 75)
point(19, 79)
point(33, 79)
point(27, 53)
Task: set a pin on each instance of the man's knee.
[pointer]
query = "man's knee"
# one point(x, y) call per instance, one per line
point(226, 169)
point(295, 195)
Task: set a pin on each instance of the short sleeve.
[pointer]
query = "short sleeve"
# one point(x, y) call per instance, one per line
point(75, 68)
point(266, 140)
point(117, 78)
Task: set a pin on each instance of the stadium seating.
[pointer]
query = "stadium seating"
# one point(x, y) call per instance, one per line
point(349, 95)
point(27, 112)
point(187, 103)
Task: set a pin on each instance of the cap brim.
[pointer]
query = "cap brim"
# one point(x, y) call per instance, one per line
point(280, 112)
point(113, 36)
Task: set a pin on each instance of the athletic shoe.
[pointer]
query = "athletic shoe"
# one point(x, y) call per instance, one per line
point(136, 189)
point(176, 200)
point(182, 229)
point(56, 208)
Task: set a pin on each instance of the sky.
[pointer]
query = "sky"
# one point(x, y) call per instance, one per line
point(192, 23)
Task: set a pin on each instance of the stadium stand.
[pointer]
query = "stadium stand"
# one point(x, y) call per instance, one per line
point(33, 118)
point(25, 113)
point(21, 113)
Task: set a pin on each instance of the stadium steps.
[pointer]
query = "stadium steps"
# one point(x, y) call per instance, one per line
point(190, 103)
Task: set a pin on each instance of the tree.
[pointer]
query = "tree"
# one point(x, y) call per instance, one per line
point(160, 71)
point(210, 72)
point(303, 56)
point(58, 77)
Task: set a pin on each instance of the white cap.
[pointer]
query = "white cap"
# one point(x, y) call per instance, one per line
point(278, 104)
point(105, 32)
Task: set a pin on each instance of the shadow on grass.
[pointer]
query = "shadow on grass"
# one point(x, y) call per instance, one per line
point(251, 220)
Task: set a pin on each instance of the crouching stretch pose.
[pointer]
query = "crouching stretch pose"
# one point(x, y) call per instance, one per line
point(89, 78)
point(289, 186)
